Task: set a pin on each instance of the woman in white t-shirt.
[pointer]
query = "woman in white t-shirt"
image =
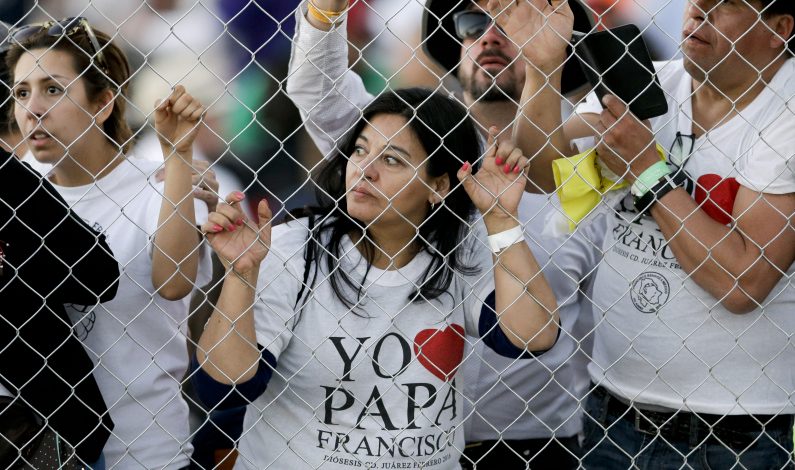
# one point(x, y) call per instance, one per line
point(70, 86)
point(347, 350)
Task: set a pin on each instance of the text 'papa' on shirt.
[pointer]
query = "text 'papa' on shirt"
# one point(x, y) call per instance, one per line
point(372, 386)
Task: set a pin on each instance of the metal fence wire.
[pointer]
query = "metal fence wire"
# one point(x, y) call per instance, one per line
point(392, 234)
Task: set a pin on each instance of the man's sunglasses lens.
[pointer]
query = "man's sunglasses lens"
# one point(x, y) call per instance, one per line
point(470, 24)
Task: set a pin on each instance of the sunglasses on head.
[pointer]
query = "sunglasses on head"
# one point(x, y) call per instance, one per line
point(471, 24)
point(64, 27)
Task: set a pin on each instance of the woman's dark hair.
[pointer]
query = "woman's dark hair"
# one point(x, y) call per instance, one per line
point(84, 60)
point(7, 123)
point(448, 135)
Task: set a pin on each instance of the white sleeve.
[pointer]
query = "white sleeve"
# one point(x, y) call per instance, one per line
point(769, 167)
point(280, 280)
point(329, 96)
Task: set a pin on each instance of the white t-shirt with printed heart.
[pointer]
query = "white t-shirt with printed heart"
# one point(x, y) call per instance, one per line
point(662, 339)
point(360, 389)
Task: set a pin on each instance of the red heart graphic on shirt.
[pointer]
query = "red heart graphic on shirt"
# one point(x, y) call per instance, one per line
point(440, 351)
point(716, 196)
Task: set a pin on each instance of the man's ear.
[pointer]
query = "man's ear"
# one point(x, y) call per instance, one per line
point(440, 186)
point(782, 26)
point(104, 106)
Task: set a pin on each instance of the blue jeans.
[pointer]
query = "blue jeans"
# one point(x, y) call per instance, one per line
point(612, 441)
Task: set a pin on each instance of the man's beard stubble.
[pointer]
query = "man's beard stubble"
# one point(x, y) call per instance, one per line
point(490, 90)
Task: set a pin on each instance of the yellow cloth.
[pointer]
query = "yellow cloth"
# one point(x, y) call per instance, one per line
point(580, 184)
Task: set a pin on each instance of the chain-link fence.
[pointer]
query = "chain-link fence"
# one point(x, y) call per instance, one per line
point(397, 234)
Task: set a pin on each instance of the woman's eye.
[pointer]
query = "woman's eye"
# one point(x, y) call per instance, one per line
point(359, 151)
point(392, 161)
point(20, 93)
point(53, 90)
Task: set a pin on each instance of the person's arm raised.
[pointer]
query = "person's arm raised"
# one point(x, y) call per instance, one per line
point(327, 93)
point(227, 349)
point(541, 31)
point(739, 264)
point(175, 255)
point(524, 302)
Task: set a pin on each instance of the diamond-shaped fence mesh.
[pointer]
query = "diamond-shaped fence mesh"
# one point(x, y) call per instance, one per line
point(391, 234)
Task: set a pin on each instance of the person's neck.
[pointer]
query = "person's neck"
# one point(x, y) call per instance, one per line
point(720, 97)
point(493, 113)
point(74, 171)
point(392, 247)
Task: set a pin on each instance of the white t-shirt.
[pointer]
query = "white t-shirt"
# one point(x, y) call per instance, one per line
point(663, 340)
point(137, 340)
point(365, 388)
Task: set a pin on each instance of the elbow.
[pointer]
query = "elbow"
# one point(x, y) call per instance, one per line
point(173, 290)
point(749, 293)
point(544, 340)
point(739, 302)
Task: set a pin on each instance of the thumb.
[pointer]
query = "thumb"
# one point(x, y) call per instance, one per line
point(613, 104)
point(465, 177)
point(264, 213)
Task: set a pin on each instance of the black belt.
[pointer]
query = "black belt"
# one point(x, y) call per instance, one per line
point(684, 425)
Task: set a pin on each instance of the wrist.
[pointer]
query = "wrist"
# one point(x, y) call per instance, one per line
point(248, 277)
point(547, 74)
point(322, 17)
point(500, 223)
point(648, 159)
point(500, 241)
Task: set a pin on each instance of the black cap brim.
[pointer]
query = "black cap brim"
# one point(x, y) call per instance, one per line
point(441, 44)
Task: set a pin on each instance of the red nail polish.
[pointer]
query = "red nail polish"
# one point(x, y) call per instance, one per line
point(466, 166)
point(516, 169)
point(217, 228)
point(231, 227)
point(239, 195)
point(507, 168)
point(239, 221)
point(498, 161)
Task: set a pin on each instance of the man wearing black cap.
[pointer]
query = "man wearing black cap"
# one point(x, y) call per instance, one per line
point(49, 400)
point(519, 412)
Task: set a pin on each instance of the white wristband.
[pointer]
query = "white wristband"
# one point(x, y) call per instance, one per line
point(502, 240)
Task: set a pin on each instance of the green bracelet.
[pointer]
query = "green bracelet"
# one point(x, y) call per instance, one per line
point(650, 176)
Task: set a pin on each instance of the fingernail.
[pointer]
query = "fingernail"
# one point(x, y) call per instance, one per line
point(466, 166)
point(507, 168)
point(516, 169)
point(217, 228)
point(498, 161)
point(231, 228)
point(239, 221)
point(238, 194)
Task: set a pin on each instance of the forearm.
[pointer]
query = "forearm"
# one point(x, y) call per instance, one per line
point(227, 348)
point(538, 129)
point(175, 257)
point(326, 92)
point(720, 259)
point(524, 302)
